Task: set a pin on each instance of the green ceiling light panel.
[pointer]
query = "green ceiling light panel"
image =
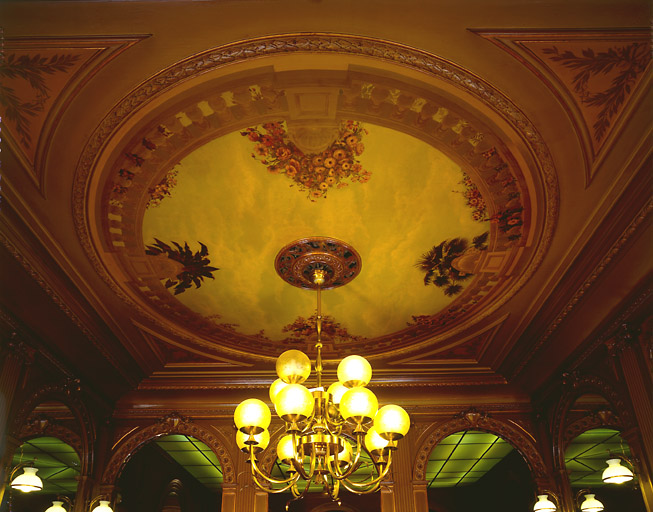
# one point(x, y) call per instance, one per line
point(586, 456)
point(464, 458)
point(195, 457)
point(57, 463)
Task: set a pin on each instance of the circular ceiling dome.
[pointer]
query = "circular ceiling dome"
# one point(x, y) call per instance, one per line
point(199, 187)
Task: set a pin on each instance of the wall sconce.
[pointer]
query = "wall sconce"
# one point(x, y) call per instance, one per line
point(591, 504)
point(103, 504)
point(544, 504)
point(615, 473)
point(57, 505)
point(28, 481)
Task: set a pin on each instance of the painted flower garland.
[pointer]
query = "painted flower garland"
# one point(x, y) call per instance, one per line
point(313, 173)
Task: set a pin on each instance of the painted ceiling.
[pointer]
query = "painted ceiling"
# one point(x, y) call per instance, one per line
point(198, 202)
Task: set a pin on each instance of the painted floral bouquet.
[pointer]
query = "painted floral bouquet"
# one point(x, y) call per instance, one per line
point(314, 173)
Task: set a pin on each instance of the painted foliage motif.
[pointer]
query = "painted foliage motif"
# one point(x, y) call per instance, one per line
point(19, 107)
point(623, 65)
point(194, 266)
point(312, 173)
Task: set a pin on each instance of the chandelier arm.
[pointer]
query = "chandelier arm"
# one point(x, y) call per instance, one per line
point(346, 484)
point(377, 480)
point(271, 490)
point(299, 465)
point(256, 471)
point(353, 466)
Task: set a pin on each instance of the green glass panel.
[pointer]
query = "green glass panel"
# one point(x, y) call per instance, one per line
point(458, 465)
point(499, 450)
point(470, 451)
point(176, 446)
point(478, 438)
point(452, 439)
point(441, 452)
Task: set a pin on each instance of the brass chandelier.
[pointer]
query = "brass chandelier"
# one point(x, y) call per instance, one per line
point(327, 430)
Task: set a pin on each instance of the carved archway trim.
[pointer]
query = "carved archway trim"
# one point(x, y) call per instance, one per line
point(575, 387)
point(171, 424)
point(52, 429)
point(68, 393)
point(483, 422)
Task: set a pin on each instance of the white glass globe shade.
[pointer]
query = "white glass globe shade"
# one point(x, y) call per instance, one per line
point(354, 371)
point(28, 481)
point(358, 405)
point(591, 504)
point(344, 456)
point(275, 387)
point(293, 367)
point(615, 473)
point(336, 390)
point(261, 441)
point(285, 451)
point(56, 507)
point(103, 507)
point(294, 403)
point(392, 422)
point(252, 416)
point(543, 504)
point(374, 442)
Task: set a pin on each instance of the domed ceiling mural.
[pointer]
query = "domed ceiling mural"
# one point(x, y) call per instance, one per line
point(196, 205)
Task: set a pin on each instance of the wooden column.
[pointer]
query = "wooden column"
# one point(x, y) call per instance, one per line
point(245, 494)
point(16, 355)
point(402, 476)
point(634, 370)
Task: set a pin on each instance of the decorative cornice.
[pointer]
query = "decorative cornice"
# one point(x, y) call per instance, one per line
point(61, 303)
point(580, 292)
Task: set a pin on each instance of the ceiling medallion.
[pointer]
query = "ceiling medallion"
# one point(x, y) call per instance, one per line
point(338, 427)
point(297, 262)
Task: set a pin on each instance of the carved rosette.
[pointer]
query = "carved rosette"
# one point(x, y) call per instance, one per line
point(296, 262)
point(172, 423)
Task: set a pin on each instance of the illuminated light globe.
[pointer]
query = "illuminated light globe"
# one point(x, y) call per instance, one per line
point(275, 387)
point(336, 390)
point(285, 450)
point(103, 507)
point(358, 405)
point(261, 441)
point(252, 416)
point(344, 456)
point(615, 473)
point(354, 371)
point(293, 367)
point(56, 507)
point(294, 403)
point(543, 504)
point(28, 481)
point(392, 422)
point(374, 443)
point(591, 504)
